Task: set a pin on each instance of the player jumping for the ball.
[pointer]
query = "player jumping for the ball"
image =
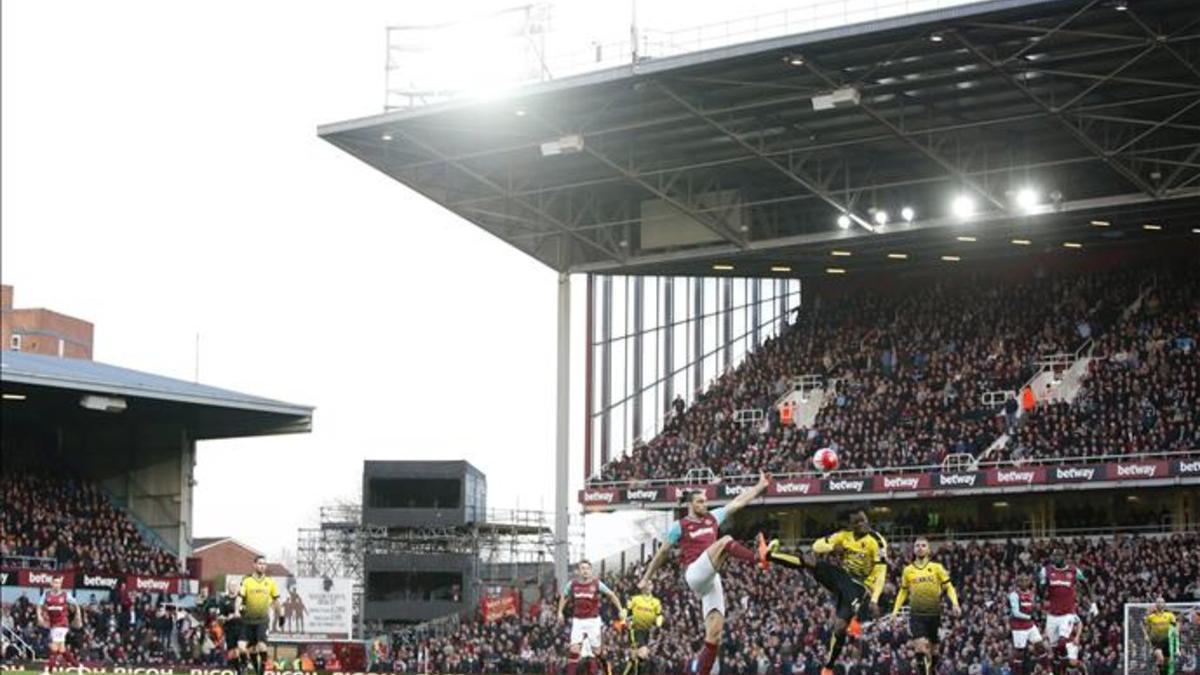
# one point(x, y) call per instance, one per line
point(1058, 582)
point(858, 580)
point(701, 554)
point(922, 584)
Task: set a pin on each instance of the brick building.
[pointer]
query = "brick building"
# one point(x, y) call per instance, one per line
point(222, 556)
point(42, 331)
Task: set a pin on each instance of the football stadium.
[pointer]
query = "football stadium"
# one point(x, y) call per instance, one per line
point(890, 365)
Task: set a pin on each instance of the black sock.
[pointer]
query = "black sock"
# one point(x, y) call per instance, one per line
point(835, 648)
point(922, 666)
point(932, 662)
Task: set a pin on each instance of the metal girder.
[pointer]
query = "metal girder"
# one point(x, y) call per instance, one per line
point(1057, 114)
point(1049, 33)
point(714, 225)
point(558, 224)
point(1170, 118)
point(1145, 123)
point(800, 179)
point(1170, 181)
point(899, 133)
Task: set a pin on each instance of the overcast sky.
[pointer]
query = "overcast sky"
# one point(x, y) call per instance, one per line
point(162, 177)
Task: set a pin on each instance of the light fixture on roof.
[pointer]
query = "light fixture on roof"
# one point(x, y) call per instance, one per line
point(1120, 5)
point(846, 97)
point(1072, 244)
point(843, 221)
point(1022, 242)
point(840, 254)
point(1101, 223)
point(963, 207)
point(908, 214)
point(723, 267)
point(780, 268)
point(881, 217)
point(966, 239)
point(936, 37)
point(794, 60)
point(569, 144)
point(519, 112)
point(951, 258)
point(898, 256)
point(1027, 199)
point(1153, 228)
point(835, 270)
point(1196, 230)
point(109, 404)
point(386, 136)
point(14, 397)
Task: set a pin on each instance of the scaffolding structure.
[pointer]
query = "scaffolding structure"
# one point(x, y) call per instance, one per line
point(510, 547)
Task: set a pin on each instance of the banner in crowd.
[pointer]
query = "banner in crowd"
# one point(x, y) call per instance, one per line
point(314, 608)
point(494, 607)
point(905, 484)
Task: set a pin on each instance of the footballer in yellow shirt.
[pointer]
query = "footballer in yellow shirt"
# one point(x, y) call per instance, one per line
point(922, 584)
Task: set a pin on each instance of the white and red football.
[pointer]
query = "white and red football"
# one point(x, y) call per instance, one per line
point(825, 460)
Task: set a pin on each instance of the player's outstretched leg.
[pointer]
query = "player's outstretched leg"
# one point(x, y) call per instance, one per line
point(772, 553)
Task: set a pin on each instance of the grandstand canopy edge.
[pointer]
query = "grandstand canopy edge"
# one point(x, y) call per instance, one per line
point(132, 433)
point(671, 166)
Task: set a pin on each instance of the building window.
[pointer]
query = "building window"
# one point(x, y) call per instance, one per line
point(62, 344)
point(15, 343)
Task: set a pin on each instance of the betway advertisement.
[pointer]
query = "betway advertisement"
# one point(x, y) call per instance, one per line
point(314, 608)
point(934, 482)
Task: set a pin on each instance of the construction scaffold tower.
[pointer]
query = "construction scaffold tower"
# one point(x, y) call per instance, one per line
point(511, 547)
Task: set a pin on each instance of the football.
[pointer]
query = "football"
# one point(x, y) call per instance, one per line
point(825, 460)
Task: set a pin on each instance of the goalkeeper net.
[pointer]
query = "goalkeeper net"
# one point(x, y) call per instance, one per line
point(1139, 656)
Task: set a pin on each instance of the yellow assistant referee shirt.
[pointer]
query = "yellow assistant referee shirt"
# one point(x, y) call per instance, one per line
point(257, 596)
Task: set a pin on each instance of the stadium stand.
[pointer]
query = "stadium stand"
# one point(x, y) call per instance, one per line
point(911, 366)
point(777, 619)
point(70, 523)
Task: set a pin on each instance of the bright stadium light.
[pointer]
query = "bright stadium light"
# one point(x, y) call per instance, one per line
point(963, 207)
point(907, 214)
point(1027, 199)
point(843, 221)
point(881, 217)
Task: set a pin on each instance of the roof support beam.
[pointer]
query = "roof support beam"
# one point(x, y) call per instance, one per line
point(955, 172)
point(796, 177)
point(499, 190)
point(1057, 114)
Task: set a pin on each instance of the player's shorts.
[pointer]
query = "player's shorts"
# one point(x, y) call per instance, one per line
point(1026, 636)
point(588, 631)
point(849, 594)
point(58, 634)
point(1163, 645)
point(924, 626)
point(233, 633)
point(639, 637)
point(1062, 627)
point(254, 633)
point(704, 581)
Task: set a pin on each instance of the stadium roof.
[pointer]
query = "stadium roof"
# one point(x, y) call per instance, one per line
point(209, 412)
point(719, 157)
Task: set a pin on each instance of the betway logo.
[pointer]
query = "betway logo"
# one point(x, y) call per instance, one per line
point(144, 584)
point(735, 490)
point(1189, 467)
point(957, 479)
point(1085, 473)
point(1005, 477)
point(99, 582)
point(1138, 470)
point(598, 496)
point(41, 578)
point(641, 495)
point(847, 485)
point(4, 576)
point(793, 487)
point(896, 482)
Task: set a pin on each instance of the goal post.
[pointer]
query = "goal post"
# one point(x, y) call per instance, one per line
point(1139, 658)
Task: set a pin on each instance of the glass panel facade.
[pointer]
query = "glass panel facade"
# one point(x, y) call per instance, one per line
point(656, 339)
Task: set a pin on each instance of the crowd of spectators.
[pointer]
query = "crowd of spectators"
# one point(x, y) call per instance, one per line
point(73, 523)
point(1142, 390)
point(777, 621)
point(905, 370)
